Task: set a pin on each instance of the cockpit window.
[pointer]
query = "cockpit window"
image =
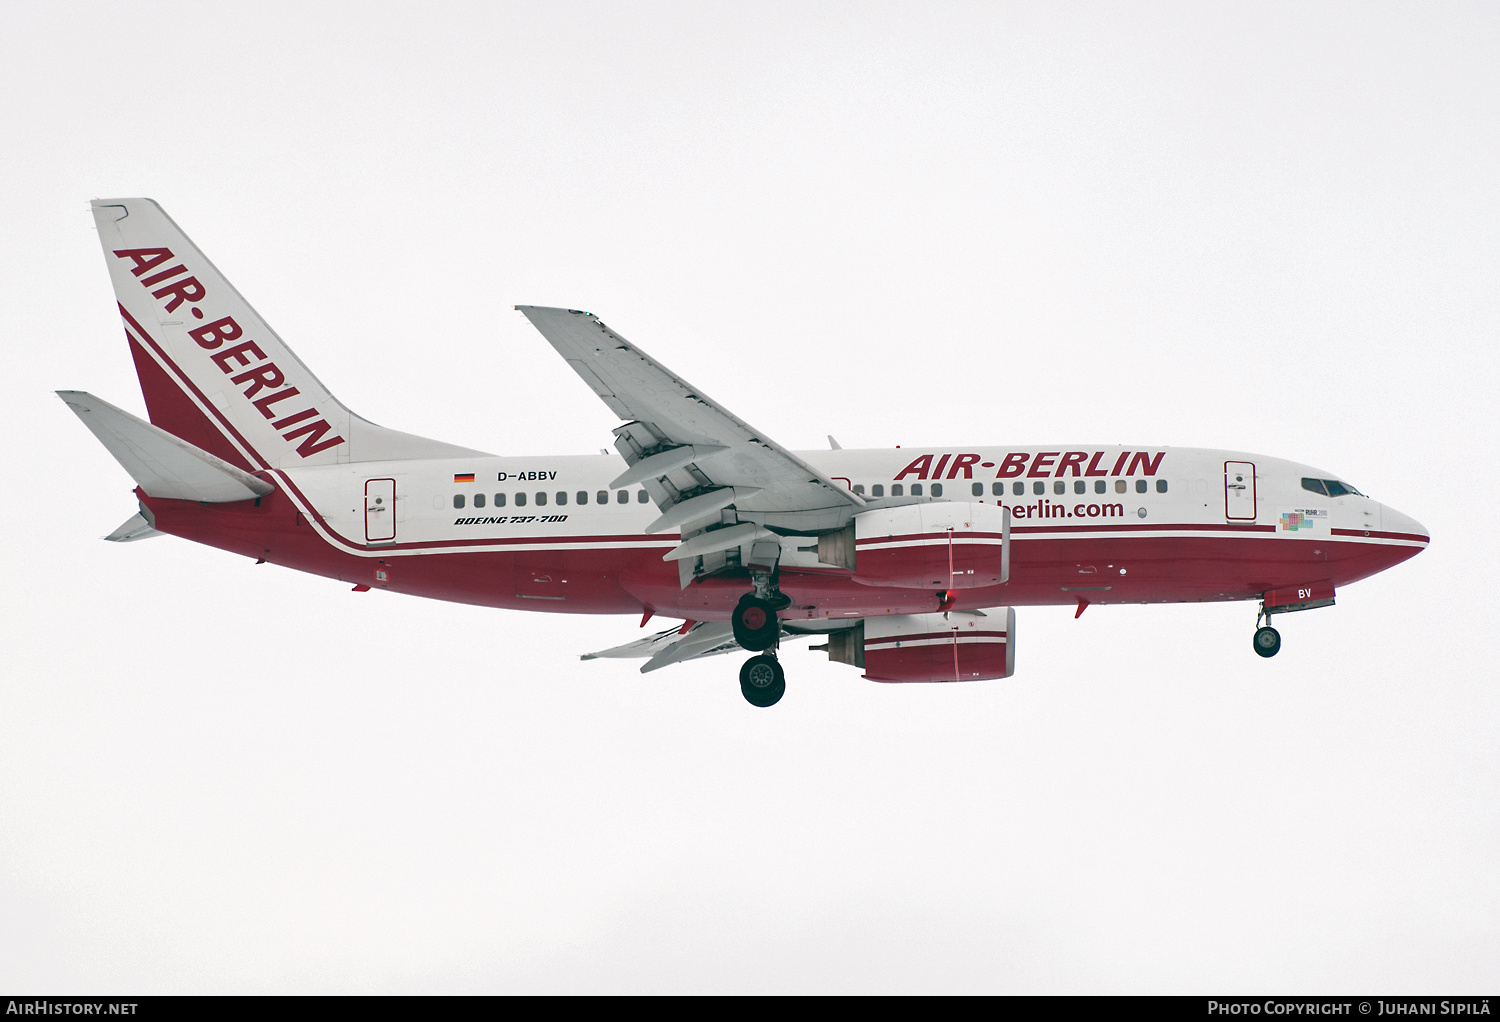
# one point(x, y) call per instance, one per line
point(1330, 488)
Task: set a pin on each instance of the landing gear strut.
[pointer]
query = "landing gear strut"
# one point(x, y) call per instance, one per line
point(762, 681)
point(757, 628)
point(1267, 640)
point(755, 624)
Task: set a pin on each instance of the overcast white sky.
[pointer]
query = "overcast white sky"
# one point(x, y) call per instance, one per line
point(1262, 227)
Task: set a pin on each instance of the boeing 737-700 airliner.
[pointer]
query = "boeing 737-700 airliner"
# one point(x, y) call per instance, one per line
point(907, 564)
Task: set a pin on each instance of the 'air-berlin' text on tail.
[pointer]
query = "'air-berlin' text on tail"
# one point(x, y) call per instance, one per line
point(212, 371)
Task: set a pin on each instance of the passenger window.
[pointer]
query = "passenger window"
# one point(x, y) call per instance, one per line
point(1039, 488)
point(1079, 486)
point(897, 489)
point(1099, 486)
point(602, 497)
point(479, 500)
point(562, 498)
point(859, 488)
point(1140, 486)
point(937, 489)
point(541, 498)
point(1019, 489)
point(583, 496)
point(997, 489)
point(916, 489)
point(1119, 486)
point(622, 496)
point(1161, 486)
point(499, 500)
point(1314, 486)
point(520, 500)
point(878, 490)
point(1059, 487)
point(977, 489)
point(458, 500)
point(641, 496)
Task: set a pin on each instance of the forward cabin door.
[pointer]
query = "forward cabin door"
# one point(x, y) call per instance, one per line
point(380, 510)
point(1239, 491)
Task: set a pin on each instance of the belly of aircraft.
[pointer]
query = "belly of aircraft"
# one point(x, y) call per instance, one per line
point(1044, 571)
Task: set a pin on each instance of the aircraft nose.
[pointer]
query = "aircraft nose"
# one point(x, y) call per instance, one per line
point(1392, 520)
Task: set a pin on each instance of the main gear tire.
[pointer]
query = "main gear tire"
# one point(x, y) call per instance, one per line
point(1267, 641)
point(762, 681)
point(755, 624)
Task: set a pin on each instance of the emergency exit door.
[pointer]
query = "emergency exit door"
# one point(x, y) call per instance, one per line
point(1239, 490)
point(380, 510)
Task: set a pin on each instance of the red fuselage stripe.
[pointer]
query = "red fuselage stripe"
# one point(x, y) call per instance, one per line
point(960, 635)
point(212, 409)
point(934, 537)
point(1411, 537)
point(1132, 527)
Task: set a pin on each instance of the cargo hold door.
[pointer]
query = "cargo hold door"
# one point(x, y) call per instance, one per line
point(380, 510)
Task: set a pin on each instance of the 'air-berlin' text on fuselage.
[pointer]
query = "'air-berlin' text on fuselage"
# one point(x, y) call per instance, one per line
point(1041, 465)
point(245, 364)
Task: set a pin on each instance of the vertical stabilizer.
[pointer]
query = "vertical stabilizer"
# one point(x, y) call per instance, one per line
point(212, 371)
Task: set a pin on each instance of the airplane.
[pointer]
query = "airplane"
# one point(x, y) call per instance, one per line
point(905, 563)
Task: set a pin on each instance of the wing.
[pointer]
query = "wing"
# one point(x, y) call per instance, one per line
point(692, 455)
point(673, 646)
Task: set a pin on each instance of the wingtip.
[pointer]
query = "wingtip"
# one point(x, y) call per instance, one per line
point(523, 309)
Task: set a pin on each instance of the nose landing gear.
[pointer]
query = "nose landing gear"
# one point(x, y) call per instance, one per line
point(1267, 641)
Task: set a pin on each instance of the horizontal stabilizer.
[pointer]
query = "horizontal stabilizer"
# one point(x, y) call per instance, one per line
point(161, 464)
point(135, 528)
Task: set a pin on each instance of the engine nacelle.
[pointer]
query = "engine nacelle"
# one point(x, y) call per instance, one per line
point(956, 646)
point(942, 545)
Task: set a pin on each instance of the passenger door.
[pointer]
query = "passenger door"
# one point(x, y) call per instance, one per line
point(1239, 490)
point(380, 510)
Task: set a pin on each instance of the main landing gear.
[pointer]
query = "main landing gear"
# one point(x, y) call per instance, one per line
point(762, 681)
point(757, 629)
point(755, 624)
point(1267, 640)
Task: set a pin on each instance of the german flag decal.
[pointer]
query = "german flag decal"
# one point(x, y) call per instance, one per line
point(466, 477)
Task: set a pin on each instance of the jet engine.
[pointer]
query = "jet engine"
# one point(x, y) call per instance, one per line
point(956, 646)
point(944, 545)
